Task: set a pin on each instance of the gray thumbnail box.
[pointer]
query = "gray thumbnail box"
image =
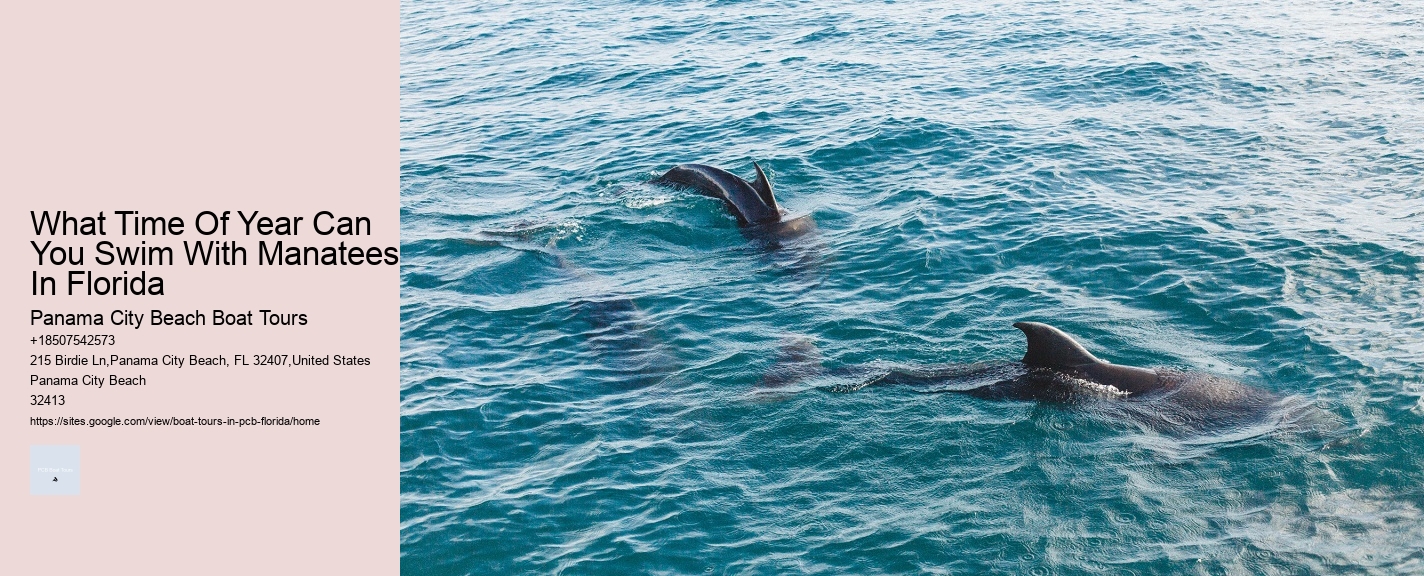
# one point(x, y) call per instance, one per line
point(54, 469)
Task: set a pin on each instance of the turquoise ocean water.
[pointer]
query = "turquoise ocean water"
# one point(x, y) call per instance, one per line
point(1228, 187)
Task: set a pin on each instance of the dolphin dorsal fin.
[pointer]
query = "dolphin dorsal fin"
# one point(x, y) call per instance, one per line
point(1049, 346)
point(763, 187)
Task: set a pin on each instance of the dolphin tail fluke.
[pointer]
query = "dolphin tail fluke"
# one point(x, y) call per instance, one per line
point(763, 188)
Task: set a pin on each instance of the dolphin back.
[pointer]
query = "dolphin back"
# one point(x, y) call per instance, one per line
point(1049, 347)
point(752, 202)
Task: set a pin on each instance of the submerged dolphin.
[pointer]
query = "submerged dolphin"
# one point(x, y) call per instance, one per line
point(752, 203)
point(1058, 369)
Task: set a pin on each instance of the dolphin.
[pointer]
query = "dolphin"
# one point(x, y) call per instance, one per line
point(1057, 369)
point(621, 335)
point(753, 203)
